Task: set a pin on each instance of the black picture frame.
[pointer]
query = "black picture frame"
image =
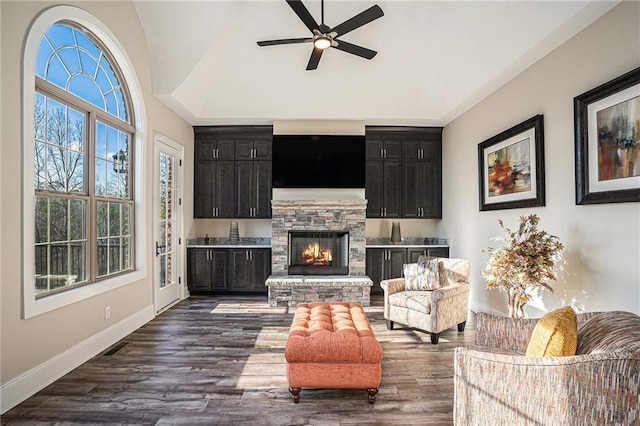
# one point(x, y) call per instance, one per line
point(587, 160)
point(494, 191)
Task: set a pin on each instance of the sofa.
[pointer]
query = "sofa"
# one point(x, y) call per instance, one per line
point(496, 384)
point(435, 310)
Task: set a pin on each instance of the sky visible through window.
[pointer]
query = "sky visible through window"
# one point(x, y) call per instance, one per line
point(70, 60)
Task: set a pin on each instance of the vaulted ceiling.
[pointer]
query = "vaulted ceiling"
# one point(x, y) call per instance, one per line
point(435, 60)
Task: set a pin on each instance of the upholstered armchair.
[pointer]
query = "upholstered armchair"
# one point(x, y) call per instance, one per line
point(432, 311)
point(495, 384)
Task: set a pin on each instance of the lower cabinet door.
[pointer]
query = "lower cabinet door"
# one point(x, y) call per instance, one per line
point(219, 269)
point(375, 268)
point(261, 269)
point(240, 270)
point(396, 260)
point(414, 253)
point(198, 270)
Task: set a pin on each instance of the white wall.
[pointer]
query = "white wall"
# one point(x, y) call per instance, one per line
point(601, 262)
point(29, 344)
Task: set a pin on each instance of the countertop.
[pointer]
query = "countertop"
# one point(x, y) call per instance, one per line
point(226, 243)
point(265, 242)
point(407, 242)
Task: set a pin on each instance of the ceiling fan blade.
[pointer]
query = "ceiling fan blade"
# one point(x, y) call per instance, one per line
point(314, 59)
point(371, 14)
point(355, 49)
point(285, 41)
point(303, 13)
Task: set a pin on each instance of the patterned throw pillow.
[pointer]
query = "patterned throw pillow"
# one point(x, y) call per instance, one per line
point(430, 273)
point(411, 274)
point(422, 275)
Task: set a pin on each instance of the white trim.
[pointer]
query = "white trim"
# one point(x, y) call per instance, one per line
point(22, 387)
point(30, 306)
point(159, 138)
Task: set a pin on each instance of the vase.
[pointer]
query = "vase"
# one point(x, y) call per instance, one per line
point(234, 235)
point(395, 232)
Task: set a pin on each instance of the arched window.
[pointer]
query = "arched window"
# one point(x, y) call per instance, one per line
point(82, 164)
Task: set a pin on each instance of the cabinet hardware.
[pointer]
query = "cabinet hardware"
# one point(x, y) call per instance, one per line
point(385, 153)
point(246, 254)
point(418, 154)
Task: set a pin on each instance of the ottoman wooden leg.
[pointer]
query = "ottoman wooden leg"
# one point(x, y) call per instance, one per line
point(295, 392)
point(372, 394)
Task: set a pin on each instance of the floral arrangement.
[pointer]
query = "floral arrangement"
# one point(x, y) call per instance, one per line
point(527, 261)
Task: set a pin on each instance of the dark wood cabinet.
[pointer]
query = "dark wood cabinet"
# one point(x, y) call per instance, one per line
point(421, 190)
point(207, 269)
point(383, 146)
point(253, 149)
point(232, 172)
point(383, 264)
point(387, 263)
point(225, 270)
point(404, 172)
point(253, 189)
point(414, 253)
point(250, 268)
point(213, 194)
point(383, 188)
point(209, 148)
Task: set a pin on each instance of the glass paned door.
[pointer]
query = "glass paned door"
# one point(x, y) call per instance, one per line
point(168, 174)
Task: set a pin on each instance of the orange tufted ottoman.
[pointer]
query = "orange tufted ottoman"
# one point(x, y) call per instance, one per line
point(332, 345)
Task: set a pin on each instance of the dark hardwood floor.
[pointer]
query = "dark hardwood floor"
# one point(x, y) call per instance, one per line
point(220, 361)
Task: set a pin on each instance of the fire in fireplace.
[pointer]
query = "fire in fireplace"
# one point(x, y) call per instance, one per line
point(318, 253)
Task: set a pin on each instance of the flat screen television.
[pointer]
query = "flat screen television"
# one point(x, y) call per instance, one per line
point(318, 161)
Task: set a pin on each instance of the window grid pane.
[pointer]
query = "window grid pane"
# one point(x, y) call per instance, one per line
point(85, 169)
point(60, 250)
point(114, 238)
point(71, 61)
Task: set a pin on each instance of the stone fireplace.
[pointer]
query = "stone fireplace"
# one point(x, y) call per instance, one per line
point(290, 285)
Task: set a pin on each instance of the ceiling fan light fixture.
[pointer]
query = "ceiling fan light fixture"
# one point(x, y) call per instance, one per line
point(322, 42)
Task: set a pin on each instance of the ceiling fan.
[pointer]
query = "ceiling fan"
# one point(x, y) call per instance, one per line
point(325, 36)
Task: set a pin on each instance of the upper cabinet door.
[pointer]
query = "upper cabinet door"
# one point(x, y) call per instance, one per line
point(244, 150)
point(383, 149)
point(262, 149)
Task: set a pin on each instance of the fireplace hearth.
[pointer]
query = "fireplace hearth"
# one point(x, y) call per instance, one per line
point(318, 253)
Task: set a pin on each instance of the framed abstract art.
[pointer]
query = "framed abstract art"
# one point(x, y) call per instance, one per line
point(607, 142)
point(511, 167)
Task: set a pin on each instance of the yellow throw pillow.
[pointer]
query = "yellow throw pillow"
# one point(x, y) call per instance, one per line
point(555, 334)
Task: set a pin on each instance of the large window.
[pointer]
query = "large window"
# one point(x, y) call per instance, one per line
point(82, 163)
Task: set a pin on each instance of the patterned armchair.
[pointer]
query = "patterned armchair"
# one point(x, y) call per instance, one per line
point(496, 385)
point(432, 311)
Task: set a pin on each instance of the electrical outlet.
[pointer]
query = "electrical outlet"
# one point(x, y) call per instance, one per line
point(107, 312)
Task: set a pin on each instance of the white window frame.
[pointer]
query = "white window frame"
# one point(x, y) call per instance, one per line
point(30, 305)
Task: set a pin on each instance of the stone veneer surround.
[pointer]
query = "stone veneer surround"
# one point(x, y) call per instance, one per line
point(318, 215)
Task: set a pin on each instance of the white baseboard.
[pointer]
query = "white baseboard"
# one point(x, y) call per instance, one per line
point(27, 384)
point(477, 306)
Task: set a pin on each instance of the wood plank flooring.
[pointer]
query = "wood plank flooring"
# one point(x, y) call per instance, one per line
point(220, 361)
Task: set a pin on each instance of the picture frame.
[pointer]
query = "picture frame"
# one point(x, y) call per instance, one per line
point(511, 167)
point(607, 142)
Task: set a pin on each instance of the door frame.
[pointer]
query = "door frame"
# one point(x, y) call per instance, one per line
point(180, 252)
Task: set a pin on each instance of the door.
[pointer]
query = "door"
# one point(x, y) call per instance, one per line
point(167, 283)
